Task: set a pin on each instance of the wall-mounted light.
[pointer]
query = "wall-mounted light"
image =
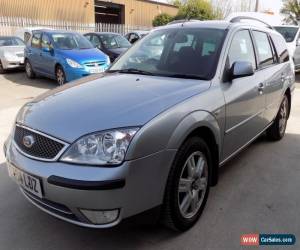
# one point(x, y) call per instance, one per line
point(131, 11)
point(86, 4)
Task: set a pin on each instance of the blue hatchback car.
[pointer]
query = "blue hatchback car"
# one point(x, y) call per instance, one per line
point(62, 55)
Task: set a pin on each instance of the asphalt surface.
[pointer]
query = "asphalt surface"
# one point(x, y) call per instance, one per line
point(258, 192)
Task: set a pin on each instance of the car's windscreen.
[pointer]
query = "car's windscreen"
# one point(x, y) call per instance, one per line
point(183, 52)
point(288, 33)
point(112, 41)
point(68, 41)
point(11, 41)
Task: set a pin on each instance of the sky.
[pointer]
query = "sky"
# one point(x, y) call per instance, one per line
point(273, 5)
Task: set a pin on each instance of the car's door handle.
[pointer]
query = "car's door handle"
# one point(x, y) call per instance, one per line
point(260, 88)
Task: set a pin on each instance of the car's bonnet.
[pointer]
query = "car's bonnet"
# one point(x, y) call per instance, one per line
point(113, 101)
point(13, 49)
point(83, 55)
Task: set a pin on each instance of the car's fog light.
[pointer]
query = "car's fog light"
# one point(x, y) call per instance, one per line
point(101, 217)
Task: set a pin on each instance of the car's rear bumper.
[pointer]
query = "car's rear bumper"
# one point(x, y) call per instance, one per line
point(131, 188)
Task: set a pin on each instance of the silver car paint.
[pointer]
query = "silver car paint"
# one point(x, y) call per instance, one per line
point(14, 50)
point(167, 110)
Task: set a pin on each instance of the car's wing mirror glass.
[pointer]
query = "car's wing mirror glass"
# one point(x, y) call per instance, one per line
point(241, 69)
point(298, 42)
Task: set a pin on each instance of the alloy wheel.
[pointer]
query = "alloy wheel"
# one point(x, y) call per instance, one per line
point(192, 184)
point(60, 76)
point(28, 69)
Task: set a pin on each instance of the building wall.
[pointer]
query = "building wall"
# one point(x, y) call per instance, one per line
point(137, 12)
point(142, 12)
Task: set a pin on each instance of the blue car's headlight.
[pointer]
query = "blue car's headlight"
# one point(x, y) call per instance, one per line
point(73, 64)
point(102, 148)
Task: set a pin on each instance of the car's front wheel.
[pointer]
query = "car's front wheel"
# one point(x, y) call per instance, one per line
point(188, 185)
point(2, 70)
point(60, 75)
point(277, 130)
point(29, 71)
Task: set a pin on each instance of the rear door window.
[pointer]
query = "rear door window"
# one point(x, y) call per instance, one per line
point(281, 48)
point(265, 55)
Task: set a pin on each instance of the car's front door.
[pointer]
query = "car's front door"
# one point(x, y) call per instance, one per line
point(47, 58)
point(34, 50)
point(244, 97)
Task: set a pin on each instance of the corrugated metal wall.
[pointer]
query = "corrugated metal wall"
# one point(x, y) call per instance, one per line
point(136, 12)
point(142, 12)
point(68, 10)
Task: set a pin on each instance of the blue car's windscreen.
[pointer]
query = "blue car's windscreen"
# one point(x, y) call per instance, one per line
point(184, 53)
point(67, 41)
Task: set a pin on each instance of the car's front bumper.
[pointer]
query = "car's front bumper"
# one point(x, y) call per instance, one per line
point(12, 64)
point(77, 73)
point(133, 187)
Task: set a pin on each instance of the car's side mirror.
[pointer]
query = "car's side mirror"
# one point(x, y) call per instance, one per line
point(99, 46)
point(47, 49)
point(298, 42)
point(241, 69)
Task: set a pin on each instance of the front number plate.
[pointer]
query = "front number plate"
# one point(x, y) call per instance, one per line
point(96, 70)
point(28, 182)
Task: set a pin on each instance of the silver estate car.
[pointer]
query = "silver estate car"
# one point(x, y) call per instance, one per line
point(11, 53)
point(152, 132)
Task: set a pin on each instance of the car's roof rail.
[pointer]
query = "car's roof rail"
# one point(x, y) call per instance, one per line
point(239, 18)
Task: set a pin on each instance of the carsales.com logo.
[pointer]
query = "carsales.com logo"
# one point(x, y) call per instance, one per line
point(267, 239)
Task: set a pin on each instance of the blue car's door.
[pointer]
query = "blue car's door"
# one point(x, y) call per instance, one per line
point(33, 51)
point(47, 56)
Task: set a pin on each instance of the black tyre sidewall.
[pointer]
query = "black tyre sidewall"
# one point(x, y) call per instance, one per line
point(191, 145)
point(32, 73)
point(274, 131)
point(2, 70)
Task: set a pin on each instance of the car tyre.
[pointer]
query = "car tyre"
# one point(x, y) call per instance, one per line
point(29, 71)
point(187, 189)
point(277, 129)
point(2, 70)
point(60, 75)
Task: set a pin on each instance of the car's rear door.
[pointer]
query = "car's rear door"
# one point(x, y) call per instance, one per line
point(244, 97)
point(276, 76)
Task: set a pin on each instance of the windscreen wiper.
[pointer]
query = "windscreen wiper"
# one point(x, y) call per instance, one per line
point(131, 71)
point(187, 76)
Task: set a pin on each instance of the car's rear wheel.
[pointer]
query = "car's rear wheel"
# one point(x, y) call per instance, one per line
point(29, 71)
point(188, 185)
point(60, 75)
point(2, 70)
point(277, 130)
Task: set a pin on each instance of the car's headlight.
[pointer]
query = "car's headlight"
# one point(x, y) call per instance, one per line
point(102, 148)
point(73, 64)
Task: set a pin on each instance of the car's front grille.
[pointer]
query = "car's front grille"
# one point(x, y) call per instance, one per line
point(94, 64)
point(37, 145)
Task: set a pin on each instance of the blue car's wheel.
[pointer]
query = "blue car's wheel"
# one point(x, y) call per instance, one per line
point(60, 75)
point(28, 69)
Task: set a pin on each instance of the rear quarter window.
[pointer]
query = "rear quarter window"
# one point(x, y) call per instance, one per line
point(281, 48)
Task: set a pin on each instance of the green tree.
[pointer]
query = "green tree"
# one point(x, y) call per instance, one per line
point(162, 19)
point(291, 8)
point(197, 9)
